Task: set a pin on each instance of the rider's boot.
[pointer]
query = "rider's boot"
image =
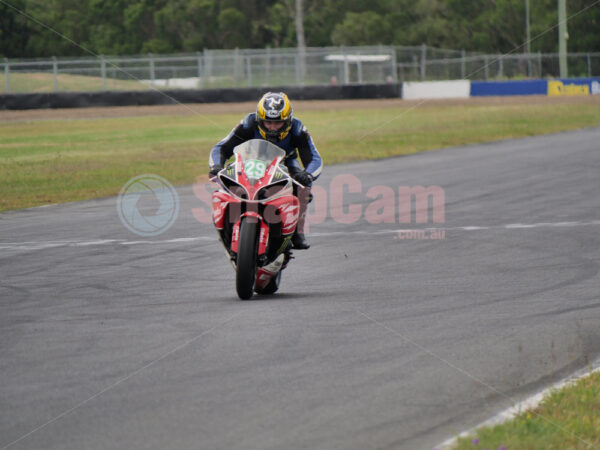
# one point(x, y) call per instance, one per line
point(298, 239)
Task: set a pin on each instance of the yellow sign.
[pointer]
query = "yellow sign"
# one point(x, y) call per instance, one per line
point(559, 88)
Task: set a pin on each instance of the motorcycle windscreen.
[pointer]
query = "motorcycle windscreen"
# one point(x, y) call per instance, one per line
point(257, 155)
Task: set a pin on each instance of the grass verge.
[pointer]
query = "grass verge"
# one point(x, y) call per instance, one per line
point(568, 419)
point(34, 82)
point(49, 161)
point(26, 83)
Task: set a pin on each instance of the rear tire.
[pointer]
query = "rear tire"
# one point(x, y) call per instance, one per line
point(246, 259)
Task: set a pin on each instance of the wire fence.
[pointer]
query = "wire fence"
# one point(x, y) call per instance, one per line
point(280, 67)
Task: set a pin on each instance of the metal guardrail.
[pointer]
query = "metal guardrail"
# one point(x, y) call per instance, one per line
point(281, 67)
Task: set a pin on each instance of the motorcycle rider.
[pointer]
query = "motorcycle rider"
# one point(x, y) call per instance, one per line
point(273, 122)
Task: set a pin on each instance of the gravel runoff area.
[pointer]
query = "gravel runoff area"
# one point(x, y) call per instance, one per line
point(299, 105)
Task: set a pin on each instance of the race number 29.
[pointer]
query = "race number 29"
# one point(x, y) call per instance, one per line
point(255, 168)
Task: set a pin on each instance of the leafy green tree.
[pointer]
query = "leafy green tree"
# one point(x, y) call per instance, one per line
point(13, 30)
point(584, 28)
point(65, 32)
point(432, 25)
point(164, 26)
point(233, 28)
point(187, 25)
point(280, 24)
point(365, 28)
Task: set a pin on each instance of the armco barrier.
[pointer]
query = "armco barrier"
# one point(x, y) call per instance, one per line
point(139, 98)
point(435, 89)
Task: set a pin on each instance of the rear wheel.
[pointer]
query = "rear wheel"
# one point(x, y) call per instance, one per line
point(246, 259)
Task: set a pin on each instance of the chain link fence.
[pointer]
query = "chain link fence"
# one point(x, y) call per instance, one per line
point(280, 67)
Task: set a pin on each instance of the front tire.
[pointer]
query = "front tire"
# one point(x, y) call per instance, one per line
point(246, 259)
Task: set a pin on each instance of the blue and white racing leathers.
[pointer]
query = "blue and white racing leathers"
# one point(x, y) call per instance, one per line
point(296, 143)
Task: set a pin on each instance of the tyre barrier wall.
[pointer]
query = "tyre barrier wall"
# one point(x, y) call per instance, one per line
point(407, 91)
point(169, 97)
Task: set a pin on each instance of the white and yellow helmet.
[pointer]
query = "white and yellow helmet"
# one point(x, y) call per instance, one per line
point(274, 107)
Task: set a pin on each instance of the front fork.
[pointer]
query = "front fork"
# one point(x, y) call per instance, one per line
point(263, 234)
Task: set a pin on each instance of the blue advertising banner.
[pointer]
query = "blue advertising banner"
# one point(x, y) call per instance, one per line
point(496, 88)
point(567, 86)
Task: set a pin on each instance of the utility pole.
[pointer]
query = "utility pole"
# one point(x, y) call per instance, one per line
point(300, 41)
point(528, 37)
point(563, 35)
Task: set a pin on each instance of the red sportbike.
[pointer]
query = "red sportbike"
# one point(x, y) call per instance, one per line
point(256, 213)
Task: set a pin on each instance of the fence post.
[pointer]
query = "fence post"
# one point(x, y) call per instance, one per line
point(539, 54)
point(589, 66)
point(207, 65)
point(268, 66)
point(200, 83)
point(236, 71)
point(103, 71)
point(423, 60)
point(416, 66)
point(346, 67)
point(394, 65)
point(298, 66)
point(380, 75)
point(301, 63)
point(151, 68)
point(248, 70)
point(7, 74)
point(486, 67)
point(463, 64)
point(55, 72)
point(359, 69)
point(500, 66)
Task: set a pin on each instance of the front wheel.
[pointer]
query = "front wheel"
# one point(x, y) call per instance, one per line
point(246, 259)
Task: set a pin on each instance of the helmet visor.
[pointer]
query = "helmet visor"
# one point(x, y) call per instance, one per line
point(273, 125)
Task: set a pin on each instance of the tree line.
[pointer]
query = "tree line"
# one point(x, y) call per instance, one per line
point(42, 28)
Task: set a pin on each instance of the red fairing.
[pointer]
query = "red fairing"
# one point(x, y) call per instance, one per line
point(235, 236)
point(242, 178)
point(263, 238)
point(289, 209)
point(263, 277)
point(220, 202)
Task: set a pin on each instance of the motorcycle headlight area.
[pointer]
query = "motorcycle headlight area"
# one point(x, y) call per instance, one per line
point(271, 190)
point(234, 188)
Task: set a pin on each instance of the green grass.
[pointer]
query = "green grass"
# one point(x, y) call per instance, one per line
point(36, 82)
point(46, 161)
point(568, 419)
point(44, 82)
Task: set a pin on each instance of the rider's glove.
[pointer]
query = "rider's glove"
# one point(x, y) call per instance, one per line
point(214, 170)
point(303, 177)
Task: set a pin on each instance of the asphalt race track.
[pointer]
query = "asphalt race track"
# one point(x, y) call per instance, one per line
point(376, 340)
